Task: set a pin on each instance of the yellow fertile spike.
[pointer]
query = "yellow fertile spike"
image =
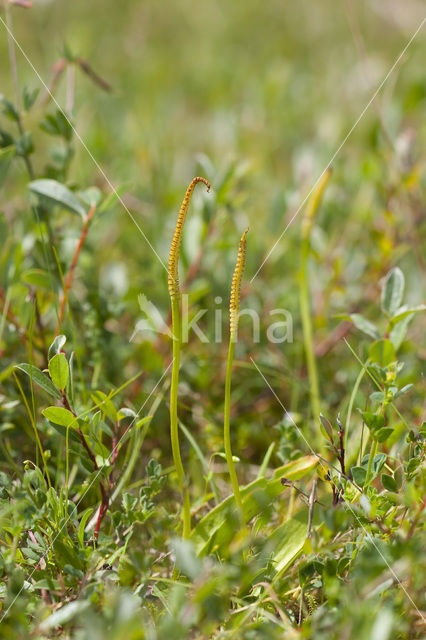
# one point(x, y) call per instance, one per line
point(173, 276)
point(234, 304)
point(314, 202)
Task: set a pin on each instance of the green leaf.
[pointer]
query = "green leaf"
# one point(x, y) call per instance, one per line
point(365, 325)
point(288, 541)
point(6, 155)
point(60, 416)
point(378, 372)
point(383, 434)
point(37, 278)
point(186, 559)
point(56, 345)
point(24, 145)
point(413, 465)
point(84, 518)
point(403, 313)
point(388, 482)
point(59, 371)
point(29, 97)
point(397, 334)
point(326, 427)
point(105, 404)
point(65, 614)
point(359, 474)
point(9, 109)
point(383, 352)
point(405, 389)
point(377, 396)
point(377, 464)
point(374, 421)
point(392, 291)
point(215, 530)
point(57, 124)
point(91, 196)
point(39, 378)
point(57, 194)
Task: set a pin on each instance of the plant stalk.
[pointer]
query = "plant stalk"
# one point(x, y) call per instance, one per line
point(308, 340)
point(305, 310)
point(175, 298)
point(174, 429)
point(227, 428)
point(234, 308)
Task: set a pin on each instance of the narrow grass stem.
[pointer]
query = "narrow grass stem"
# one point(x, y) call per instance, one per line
point(34, 426)
point(351, 403)
point(227, 429)
point(305, 307)
point(308, 340)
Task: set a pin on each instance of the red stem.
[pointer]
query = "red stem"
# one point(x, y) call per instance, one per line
point(70, 275)
point(105, 497)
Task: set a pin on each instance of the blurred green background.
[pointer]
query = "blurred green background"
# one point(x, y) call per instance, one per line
point(257, 97)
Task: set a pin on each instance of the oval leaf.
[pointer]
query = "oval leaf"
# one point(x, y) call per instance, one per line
point(59, 371)
point(383, 434)
point(365, 325)
point(359, 474)
point(392, 292)
point(389, 482)
point(59, 415)
point(58, 194)
point(37, 278)
point(383, 352)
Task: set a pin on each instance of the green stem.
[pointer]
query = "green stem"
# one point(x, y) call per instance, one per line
point(308, 332)
point(174, 430)
point(227, 428)
point(371, 457)
point(351, 404)
point(34, 426)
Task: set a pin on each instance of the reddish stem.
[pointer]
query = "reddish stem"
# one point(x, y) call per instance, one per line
point(70, 275)
point(105, 497)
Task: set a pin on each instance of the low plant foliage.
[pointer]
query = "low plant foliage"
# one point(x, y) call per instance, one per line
point(167, 488)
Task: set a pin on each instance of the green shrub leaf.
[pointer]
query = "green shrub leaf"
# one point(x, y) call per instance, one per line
point(383, 434)
point(39, 378)
point(60, 416)
point(59, 371)
point(57, 194)
point(388, 482)
point(383, 352)
point(392, 291)
point(365, 325)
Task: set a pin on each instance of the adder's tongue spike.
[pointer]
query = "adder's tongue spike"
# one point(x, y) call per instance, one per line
point(173, 280)
point(234, 305)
